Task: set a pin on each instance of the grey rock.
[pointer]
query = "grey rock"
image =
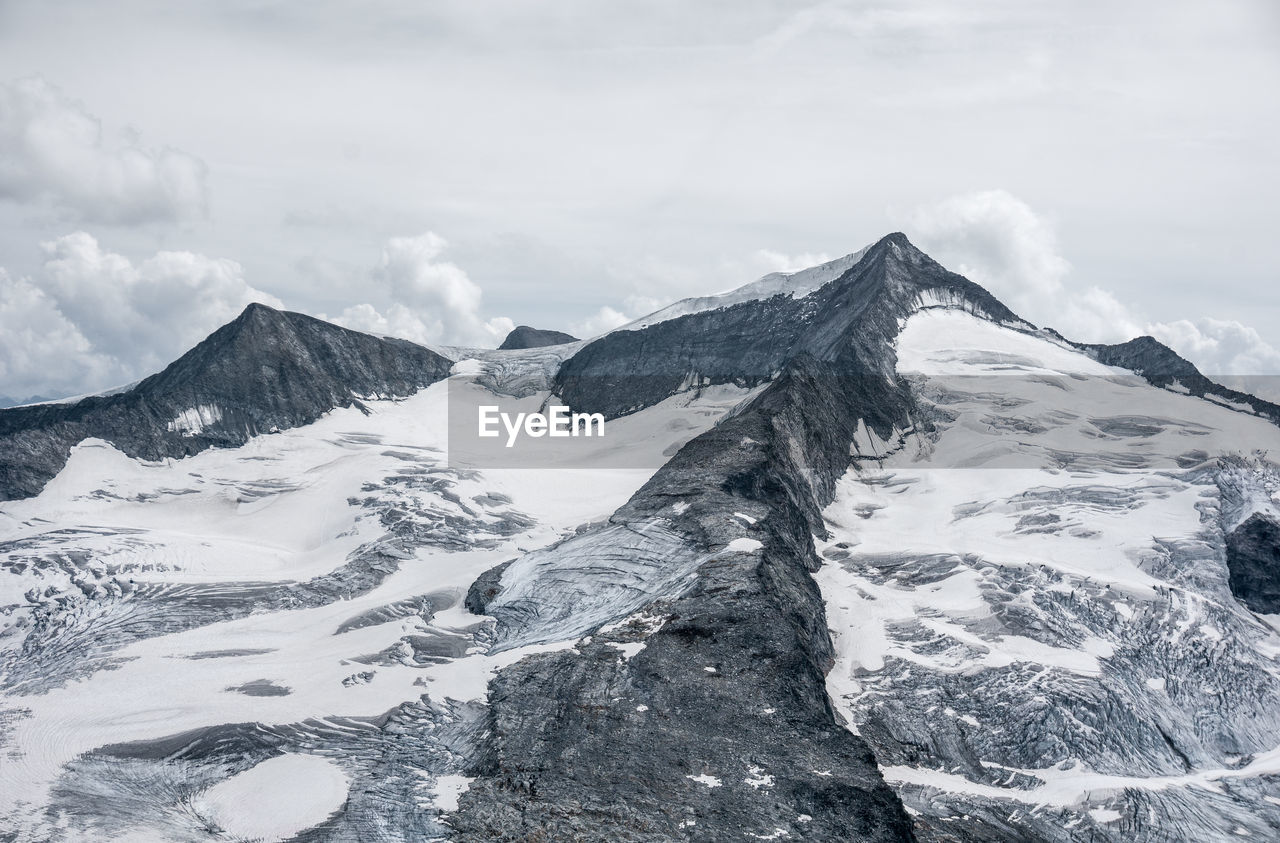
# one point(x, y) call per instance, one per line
point(1162, 366)
point(485, 588)
point(850, 320)
point(1253, 557)
point(525, 337)
point(265, 371)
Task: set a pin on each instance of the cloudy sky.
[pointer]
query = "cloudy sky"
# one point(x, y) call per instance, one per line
point(440, 170)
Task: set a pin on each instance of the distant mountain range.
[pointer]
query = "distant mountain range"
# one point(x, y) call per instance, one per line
point(904, 567)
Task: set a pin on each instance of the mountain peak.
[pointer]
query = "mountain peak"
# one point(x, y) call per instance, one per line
point(257, 311)
point(896, 238)
point(524, 336)
point(266, 370)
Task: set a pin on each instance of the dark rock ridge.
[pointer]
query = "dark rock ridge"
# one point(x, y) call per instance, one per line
point(525, 337)
point(1161, 366)
point(850, 318)
point(720, 726)
point(267, 370)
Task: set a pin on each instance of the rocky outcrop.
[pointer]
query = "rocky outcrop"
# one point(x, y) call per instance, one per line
point(1161, 366)
point(267, 370)
point(525, 337)
point(1253, 558)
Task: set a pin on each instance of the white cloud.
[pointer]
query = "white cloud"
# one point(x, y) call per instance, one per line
point(997, 240)
point(91, 319)
point(431, 301)
point(53, 150)
point(1220, 346)
point(603, 320)
point(771, 261)
point(41, 351)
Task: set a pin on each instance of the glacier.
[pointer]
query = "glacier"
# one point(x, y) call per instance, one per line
point(864, 556)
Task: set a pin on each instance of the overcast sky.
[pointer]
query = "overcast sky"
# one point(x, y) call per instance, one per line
point(441, 170)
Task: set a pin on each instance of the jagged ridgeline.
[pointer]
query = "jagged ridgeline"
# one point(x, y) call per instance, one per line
point(905, 567)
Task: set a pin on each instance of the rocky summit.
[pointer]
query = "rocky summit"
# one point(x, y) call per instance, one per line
point(870, 558)
point(525, 337)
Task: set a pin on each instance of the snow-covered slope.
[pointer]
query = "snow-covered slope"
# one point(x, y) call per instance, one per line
point(793, 284)
point(1031, 609)
point(299, 594)
point(873, 559)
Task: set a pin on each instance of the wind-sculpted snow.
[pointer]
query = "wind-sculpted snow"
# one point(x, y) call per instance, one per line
point(1031, 607)
point(789, 284)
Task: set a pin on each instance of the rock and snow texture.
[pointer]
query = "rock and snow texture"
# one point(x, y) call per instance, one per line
point(1031, 607)
point(875, 512)
point(180, 635)
point(265, 371)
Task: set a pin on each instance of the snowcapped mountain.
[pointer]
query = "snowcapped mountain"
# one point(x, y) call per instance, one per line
point(869, 558)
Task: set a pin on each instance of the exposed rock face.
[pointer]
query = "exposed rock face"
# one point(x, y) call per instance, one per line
point(717, 724)
point(525, 337)
point(850, 320)
point(721, 713)
point(872, 602)
point(1253, 556)
point(1162, 366)
point(265, 371)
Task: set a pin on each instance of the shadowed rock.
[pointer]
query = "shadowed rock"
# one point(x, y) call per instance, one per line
point(525, 337)
point(267, 370)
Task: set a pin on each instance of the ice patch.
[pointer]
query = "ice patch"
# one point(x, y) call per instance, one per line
point(449, 789)
point(277, 798)
point(757, 778)
point(629, 651)
point(193, 421)
point(743, 546)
